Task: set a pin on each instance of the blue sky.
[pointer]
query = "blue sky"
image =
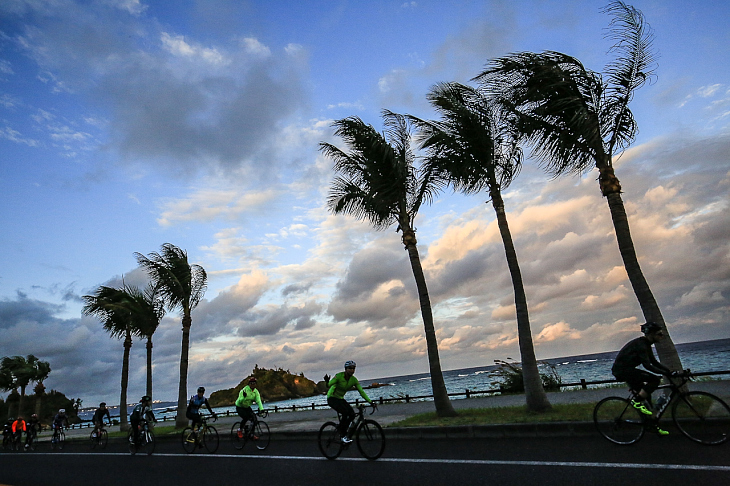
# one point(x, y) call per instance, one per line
point(126, 124)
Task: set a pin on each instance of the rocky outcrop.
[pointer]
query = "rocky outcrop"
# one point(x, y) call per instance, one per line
point(273, 385)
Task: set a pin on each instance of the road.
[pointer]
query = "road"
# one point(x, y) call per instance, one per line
point(584, 460)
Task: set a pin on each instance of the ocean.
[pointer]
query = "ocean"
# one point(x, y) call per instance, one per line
point(700, 356)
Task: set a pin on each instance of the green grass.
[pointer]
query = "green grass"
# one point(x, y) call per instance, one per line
point(578, 412)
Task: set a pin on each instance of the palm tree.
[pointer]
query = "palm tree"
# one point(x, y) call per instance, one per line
point(19, 372)
point(379, 183)
point(147, 310)
point(111, 306)
point(181, 286)
point(474, 148)
point(575, 119)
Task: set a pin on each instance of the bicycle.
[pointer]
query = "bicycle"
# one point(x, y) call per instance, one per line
point(368, 435)
point(145, 438)
point(258, 433)
point(58, 439)
point(700, 416)
point(98, 437)
point(206, 436)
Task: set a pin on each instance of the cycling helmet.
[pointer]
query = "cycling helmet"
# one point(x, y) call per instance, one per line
point(62, 410)
point(350, 364)
point(252, 379)
point(201, 389)
point(34, 416)
point(650, 327)
point(146, 398)
point(102, 404)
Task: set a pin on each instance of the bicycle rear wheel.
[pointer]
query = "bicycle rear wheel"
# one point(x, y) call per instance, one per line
point(618, 421)
point(329, 441)
point(370, 439)
point(702, 417)
point(210, 439)
point(262, 432)
point(188, 440)
point(238, 440)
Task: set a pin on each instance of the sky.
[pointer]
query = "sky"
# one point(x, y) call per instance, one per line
point(127, 124)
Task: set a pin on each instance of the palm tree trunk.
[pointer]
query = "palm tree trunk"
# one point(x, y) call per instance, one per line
point(665, 348)
point(21, 400)
point(123, 425)
point(444, 408)
point(149, 367)
point(181, 421)
point(535, 395)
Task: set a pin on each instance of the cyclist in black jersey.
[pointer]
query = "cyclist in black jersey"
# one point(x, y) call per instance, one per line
point(98, 419)
point(638, 352)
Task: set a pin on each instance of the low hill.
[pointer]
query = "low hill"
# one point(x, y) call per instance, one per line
point(273, 385)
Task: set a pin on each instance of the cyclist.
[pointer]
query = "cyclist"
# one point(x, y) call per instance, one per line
point(638, 352)
point(246, 397)
point(34, 426)
point(60, 419)
point(194, 405)
point(340, 384)
point(19, 426)
point(98, 418)
point(141, 411)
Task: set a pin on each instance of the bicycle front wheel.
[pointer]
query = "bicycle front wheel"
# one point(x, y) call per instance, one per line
point(188, 440)
point(370, 439)
point(262, 432)
point(130, 441)
point(702, 417)
point(618, 421)
point(93, 441)
point(237, 436)
point(148, 441)
point(61, 439)
point(210, 439)
point(329, 441)
point(103, 439)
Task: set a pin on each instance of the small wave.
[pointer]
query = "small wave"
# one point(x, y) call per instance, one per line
point(480, 372)
point(461, 376)
point(586, 360)
point(419, 379)
point(567, 362)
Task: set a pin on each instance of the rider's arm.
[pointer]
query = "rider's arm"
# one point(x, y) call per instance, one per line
point(209, 409)
point(258, 401)
point(650, 362)
point(362, 392)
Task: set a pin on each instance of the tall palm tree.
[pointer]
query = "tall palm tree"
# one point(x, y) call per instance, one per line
point(576, 119)
point(181, 286)
point(147, 310)
point(475, 149)
point(378, 182)
point(20, 371)
point(111, 306)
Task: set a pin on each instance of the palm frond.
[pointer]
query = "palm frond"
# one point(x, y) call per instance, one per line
point(633, 66)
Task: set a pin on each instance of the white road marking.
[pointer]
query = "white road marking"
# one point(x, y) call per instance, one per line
point(476, 462)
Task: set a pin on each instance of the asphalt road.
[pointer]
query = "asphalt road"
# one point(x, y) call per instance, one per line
point(583, 460)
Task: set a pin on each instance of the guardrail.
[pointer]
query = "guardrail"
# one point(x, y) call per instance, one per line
point(407, 398)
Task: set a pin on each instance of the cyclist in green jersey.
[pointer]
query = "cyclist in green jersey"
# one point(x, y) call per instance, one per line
point(340, 384)
point(246, 397)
